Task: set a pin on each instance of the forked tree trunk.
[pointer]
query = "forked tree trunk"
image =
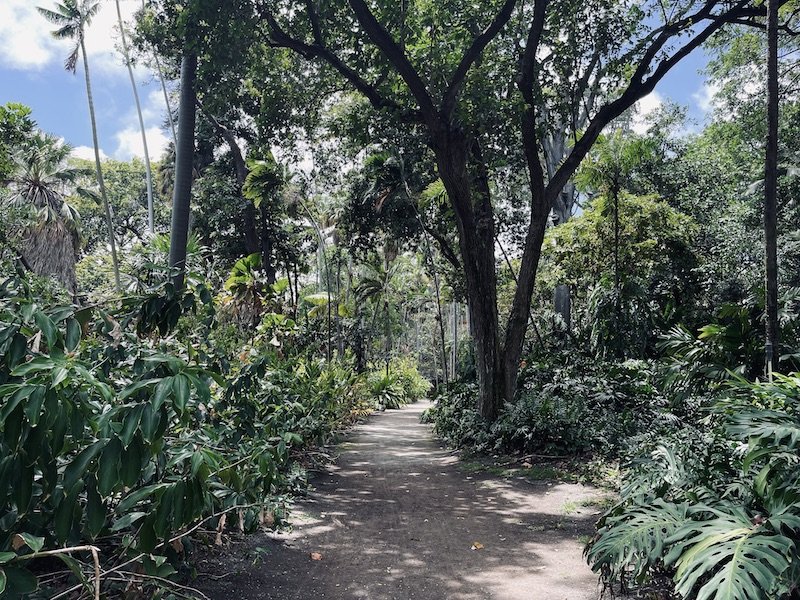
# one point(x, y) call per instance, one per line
point(99, 170)
point(184, 162)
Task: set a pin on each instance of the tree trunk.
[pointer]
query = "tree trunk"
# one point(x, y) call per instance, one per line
point(540, 213)
point(184, 162)
point(100, 181)
point(771, 189)
point(471, 202)
point(149, 172)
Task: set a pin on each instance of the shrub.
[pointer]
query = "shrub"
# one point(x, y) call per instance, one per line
point(721, 516)
point(560, 408)
point(122, 427)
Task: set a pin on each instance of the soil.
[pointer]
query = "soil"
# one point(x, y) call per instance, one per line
point(398, 517)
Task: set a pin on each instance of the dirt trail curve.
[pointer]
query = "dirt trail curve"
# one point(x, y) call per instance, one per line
point(396, 518)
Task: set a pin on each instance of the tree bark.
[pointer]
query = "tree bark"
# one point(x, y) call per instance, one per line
point(99, 170)
point(184, 162)
point(771, 190)
point(470, 198)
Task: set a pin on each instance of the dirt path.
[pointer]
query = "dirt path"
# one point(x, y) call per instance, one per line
point(397, 517)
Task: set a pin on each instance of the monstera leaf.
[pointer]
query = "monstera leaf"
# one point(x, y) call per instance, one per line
point(634, 541)
point(730, 556)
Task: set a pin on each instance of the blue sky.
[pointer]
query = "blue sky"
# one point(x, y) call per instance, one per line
point(31, 72)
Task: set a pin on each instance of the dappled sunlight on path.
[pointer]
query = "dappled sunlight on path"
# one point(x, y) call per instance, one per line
point(396, 517)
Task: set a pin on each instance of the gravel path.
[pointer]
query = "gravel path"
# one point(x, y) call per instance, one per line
point(396, 517)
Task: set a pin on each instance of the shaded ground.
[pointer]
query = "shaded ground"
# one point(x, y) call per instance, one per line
point(396, 517)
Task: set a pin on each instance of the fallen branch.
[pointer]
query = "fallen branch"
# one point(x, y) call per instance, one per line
point(95, 557)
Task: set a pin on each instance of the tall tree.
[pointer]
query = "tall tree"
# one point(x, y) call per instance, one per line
point(771, 188)
point(72, 17)
point(184, 163)
point(149, 173)
point(445, 82)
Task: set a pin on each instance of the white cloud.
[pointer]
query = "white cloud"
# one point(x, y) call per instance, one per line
point(86, 153)
point(129, 143)
point(705, 96)
point(643, 109)
point(26, 43)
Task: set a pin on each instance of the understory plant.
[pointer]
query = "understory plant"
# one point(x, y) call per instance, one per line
point(563, 406)
point(123, 429)
point(716, 509)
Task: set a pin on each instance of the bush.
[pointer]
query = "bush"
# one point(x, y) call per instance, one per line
point(402, 385)
point(560, 408)
point(720, 515)
point(123, 426)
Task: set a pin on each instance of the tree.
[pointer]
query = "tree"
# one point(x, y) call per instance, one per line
point(184, 154)
point(149, 172)
point(16, 126)
point(771, 189)
point(72, 17)
point(449, 86)
point(39, 184)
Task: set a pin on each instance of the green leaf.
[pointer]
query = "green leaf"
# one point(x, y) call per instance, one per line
point(59, 374)
point(727, 557)
point(635, 541)
point(73, 336)
point(136, 387)
point(180, 387)
point(131, 467)
point(24, 489)
point(16, 352)
point(40, 363)
point(132, 499)
point(3, 580)
point(7, 557)
point(108, 467)
point(47, 327)
point(20, 581)
point(74, 566)
point(127, 520)
point(33, 408)
point(33, 542)
point(163, 389)
point(80, 464)
point(95, 509)
point(131, 424)
point(21, 394)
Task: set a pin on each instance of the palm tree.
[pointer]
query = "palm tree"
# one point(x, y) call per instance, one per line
point(184, 164)
point(72, 17)
point(149, 172)
point(39, 182)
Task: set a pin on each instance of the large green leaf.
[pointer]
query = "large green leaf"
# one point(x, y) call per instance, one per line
point(728, 557)
point(635, 540)
point(771, 426)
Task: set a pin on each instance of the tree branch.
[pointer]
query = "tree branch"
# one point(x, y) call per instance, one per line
point(472, 54)
point(395, 55)
point(280, 39)
point(230, 139)
point(639, 87)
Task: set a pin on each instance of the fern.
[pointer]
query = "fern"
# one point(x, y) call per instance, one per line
point(632, 543)
point(744, 559)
